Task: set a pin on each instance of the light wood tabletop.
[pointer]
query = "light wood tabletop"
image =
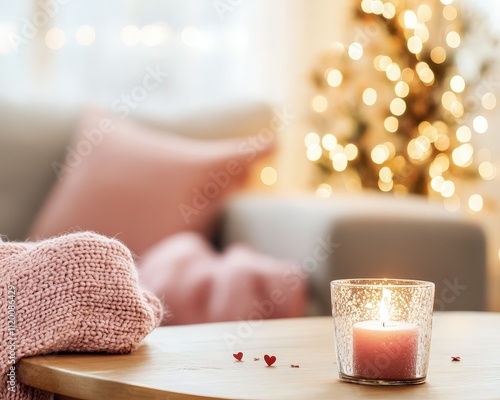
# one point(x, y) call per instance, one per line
point(196, 361)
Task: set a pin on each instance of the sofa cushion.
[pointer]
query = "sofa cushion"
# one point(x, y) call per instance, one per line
point(141, 184)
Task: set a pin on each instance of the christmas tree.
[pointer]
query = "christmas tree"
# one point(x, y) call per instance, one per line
point(392, 109)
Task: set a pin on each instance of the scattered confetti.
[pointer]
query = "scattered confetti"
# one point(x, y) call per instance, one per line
point(270, 360)
point(294, 366)
point(455, 358)
point(238, 356)
point(256, 358)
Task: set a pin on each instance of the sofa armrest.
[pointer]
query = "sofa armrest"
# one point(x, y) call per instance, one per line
point(362, 237)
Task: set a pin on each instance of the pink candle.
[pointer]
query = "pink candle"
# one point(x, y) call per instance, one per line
point(385, 350)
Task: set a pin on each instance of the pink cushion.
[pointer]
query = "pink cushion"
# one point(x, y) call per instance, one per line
point(140, 184)
point(196, 284)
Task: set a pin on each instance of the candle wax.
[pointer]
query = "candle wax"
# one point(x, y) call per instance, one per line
point(385, 351)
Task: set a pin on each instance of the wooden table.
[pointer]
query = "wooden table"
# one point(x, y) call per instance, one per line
point(195, 361)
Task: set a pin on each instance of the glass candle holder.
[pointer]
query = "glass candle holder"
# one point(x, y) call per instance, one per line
point(382, 330)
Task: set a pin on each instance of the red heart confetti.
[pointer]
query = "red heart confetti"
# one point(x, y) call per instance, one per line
point(270, 360)
point(256, 358)
point(238, 356)
point(294, 366)
point(455, 358)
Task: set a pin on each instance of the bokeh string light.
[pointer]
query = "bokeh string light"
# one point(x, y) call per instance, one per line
point(392, 110)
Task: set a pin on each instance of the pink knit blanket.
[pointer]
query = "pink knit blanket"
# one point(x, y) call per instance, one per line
point(77, 292)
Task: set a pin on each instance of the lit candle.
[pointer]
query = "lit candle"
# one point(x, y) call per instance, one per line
point(385, 349)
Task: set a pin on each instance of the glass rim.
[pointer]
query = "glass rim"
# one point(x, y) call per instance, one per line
point(381, 282)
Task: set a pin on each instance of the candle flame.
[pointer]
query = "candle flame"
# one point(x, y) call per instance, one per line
point(384, 306)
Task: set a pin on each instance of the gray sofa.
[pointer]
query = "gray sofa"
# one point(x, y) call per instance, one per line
point(368, 236)
point(342, 237)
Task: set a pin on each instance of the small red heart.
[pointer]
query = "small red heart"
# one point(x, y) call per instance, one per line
point(270, 360)
point(238, 356)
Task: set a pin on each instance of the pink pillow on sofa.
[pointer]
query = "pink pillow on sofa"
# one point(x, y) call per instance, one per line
point(141, 184)
point(197, 284)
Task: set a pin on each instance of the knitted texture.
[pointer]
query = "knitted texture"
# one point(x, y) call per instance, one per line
point(77, 292)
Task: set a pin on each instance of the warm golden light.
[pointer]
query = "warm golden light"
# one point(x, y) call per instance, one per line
point(391, 124)
point(324, 190)
point(424, 13)
point(419, 148)
point(437, 183)
point(457, 84)
point(377, 7)
point(422, 126)
point(476, 202)
point(402, 89)
point(268, 176)
point(312, 138)
point(410, 19)
point(397, 106)
point(487, 170)
point(480, 124)
point(369, 96)
point(464, 134)
point(382, 62)
point(319, 104)
point(422, 32)
point(457, 109)
point(355, 51)
point(385, 186)
point(393, 72)
point(407, 75)
point(438, 55)
point(447, 99)
point(385, 174)
point(427, 76)
point(449, 13)
point(442, 142)
point(440, 126)
point(338, 149)
point(448, 189)
point(462, 155)
point(489, 101)
point(435, 170)
point(453, 39)
point(441, 163)
point(350, 151)
point(380, 153)
point(389, 10)
point(334, 77)
point(431, 133)
point(329, 141)
point(314, 152)
point(366, 6)
point(415, 44)
point(339, 162)
point(425, 73)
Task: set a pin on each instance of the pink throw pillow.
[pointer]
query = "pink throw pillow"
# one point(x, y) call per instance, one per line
point(196, 284)
point(140, 184)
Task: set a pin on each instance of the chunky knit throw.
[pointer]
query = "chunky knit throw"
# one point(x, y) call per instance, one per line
point(77, 292)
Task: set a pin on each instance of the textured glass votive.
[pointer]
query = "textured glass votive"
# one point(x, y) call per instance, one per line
point(382, 330)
